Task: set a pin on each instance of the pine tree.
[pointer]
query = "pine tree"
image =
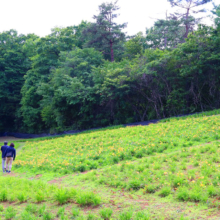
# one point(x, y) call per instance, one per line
point(165, 34)
point(106, 35)
point(187, 9)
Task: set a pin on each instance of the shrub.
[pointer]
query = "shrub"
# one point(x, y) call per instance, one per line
point(182, 194)
point(215, 159)
point(62, 195)
point(88, 198)
point(75, 212)
point(212, 191)
point(42, 210)
point(141, 215)
point(122, 156)
point(157, 166)
point(93, 165)
point(139, 154)
point(3, 195)
point(215, 182)
point(115, 159)
point(22, 197)
point(149, 151)
point(47, 216)
point(31, 208)
point(72, 192)
point(178, 181)
point(39, 196)
point(198, 195)
point(106, 213)
point(64, 217)
point(183, 167)
point(91, 216)
point(10, 213)
point(140, 168)
point(81, 168)
point(150, 188)
point(206, 171)
point(191, 174)
point(61, 211)
point(165, 191)
point(127, 215)
point(173, 168)
point(196, 164)
point(27, 216)
point(135, 185)
point(161, 149)
point(81, 217)
point(12, 198)
point(147, 165)
point(1, 208)
point(132, 152)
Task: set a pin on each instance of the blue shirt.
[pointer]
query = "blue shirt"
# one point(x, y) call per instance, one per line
point(10, 152)
point(3, 149)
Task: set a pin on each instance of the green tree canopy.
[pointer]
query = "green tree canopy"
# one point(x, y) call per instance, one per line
point(134, 46)
point(14, 62)
point(68, 97)
point(185, 9)
point(165, 34)
point(46, 60)
point(105, 34)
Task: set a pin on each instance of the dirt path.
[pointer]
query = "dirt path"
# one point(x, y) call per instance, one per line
point(20, 147)
point(9, 139)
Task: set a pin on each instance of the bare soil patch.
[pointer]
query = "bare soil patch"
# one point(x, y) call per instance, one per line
point(190, 167)
point(11, 174)
point(57, 180)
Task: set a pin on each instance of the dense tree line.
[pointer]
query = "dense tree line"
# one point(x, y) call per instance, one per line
point(94, 75)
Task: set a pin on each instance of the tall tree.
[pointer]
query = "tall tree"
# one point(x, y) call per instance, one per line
point(68, 99)
point(134, 46)
point(46, 59)
point(106, 34)
point(14, 63)
point(187, 9)
point(165, 34)
point(216, 12)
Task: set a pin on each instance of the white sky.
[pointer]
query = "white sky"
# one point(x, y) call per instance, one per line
point(39, 16)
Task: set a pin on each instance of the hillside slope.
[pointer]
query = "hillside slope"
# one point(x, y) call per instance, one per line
point(96, 149)
point(168, 170)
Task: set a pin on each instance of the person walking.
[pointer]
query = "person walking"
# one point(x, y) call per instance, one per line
point(10, 155)
point(3, 150)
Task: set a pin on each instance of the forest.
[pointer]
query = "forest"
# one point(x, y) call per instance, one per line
point(95, 75)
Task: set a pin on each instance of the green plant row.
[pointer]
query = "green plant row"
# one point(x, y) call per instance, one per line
point(34, 212)
point(196, 115)
point(190, 174)
point(94, 150)
point(66, 135)
point(21, 190)
point(206, 113)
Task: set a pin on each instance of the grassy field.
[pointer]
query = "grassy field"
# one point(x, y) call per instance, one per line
point(94, 150)
point(168, 170)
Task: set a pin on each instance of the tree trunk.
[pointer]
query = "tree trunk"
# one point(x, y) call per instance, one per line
point(165, 42)
point(112, 52)
point(187, 25)
point(187, 22)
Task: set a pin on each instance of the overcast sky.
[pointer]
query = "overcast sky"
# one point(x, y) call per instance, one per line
point(39, 16)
